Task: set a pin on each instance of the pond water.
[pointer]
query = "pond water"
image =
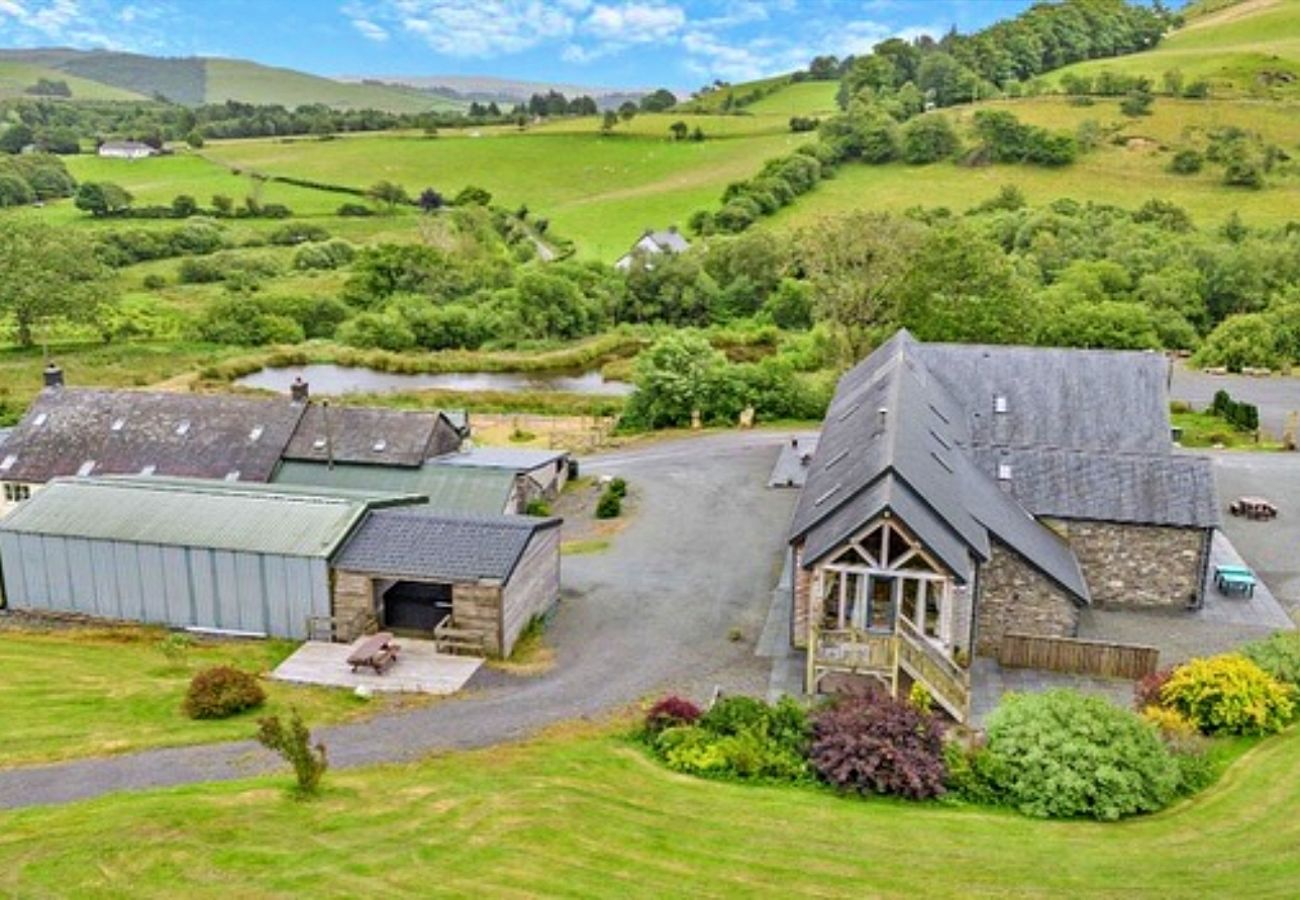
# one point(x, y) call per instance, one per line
point(330, 380)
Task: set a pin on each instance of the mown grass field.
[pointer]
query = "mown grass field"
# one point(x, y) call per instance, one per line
point(91, 693)
point(601, 192)
point(584, 814)
point(805, 98)
point(1126, 175)
point(1234, 48)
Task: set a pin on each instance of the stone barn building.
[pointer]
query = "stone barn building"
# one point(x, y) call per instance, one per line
point(961, 492)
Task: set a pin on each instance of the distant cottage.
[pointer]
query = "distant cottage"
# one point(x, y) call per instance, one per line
point(653, 243)
point(125, 150)
point(960, 493)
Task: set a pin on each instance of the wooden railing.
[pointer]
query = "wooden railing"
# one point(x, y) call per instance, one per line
point(343, 629)
point(1107, 660)
point(947, 682)
point(450, 639)
point(858, 650)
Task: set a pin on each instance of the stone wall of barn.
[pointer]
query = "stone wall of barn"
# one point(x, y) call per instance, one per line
point(1139, 566)
point(803, 582)
point(1016, 597)
point(477, 608)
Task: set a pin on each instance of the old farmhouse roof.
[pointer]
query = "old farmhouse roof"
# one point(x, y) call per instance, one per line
point(104, 432)
point(449, 489)
point(253, 518)
point(418, 542)
point(892, 444)
point(514, 459)
point(361, 434)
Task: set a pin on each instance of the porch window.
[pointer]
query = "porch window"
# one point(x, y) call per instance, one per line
point(880, 611)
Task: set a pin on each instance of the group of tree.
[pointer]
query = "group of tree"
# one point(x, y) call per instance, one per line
point(1109, 83)
point(33, 177)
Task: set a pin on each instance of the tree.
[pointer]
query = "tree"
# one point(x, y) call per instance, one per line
point(679, 130)
point(608, 121)
point(430, 200)
point(48, 274)
point(678, 377)
point(1137, 103)
point(928, 139)
point(388, 193)
point(102, 198)
point(658, 101)
point(627, 112)
point(222, 204)
point(855, 263)
point(195, 139)
point(14, 191)
point(1173, 82)
point(293, 744)
point(184, 206)
point(14, 138)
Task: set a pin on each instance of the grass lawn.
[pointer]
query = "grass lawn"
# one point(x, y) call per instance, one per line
point(803, 98)
point(78, 693)
point(585, 814)
point(1203, 429)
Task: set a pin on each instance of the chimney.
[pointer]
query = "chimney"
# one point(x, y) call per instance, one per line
point(53, 375)
point(298, 391)
point(329, 436)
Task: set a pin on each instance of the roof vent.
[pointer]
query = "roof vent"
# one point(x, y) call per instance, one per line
point(183, 427)
point(318, 444)
point(379, 446)
point(999, 403)
point(149, 469)
point(256, 432)
point(232, 476)
point(41, 419)
point(1004, 471)
point(8, 462)
point(86, 468)
point(118, 424)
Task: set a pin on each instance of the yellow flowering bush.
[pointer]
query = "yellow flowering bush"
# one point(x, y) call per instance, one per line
point(1228, 694)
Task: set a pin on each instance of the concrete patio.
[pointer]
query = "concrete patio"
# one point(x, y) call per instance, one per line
point(420, 669)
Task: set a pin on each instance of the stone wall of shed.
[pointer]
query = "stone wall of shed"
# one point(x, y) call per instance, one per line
point(1016, 597)
point(534, 587)
point(803, 582)
point(354, 594)
point(1139, 566)
point(477, 607)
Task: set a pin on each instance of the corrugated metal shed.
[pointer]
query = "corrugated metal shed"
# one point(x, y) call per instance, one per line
point(451, 489)
point(182, 512)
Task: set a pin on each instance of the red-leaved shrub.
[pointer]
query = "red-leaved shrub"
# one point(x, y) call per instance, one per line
point(670, 712)
point(876, 744)
point(1146, 692)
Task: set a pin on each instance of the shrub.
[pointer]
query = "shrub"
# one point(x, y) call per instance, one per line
point(1146, 691)
point(1278, 655)
point(1186, 162)
point(297, 233)
point(537, 507)
point(293, 743)
point(1171, 724)
point(973, 773)
point(877, 744)
point(1228, 694)
point(355, 210)
point(1061, 754)
point(221, 692)
point(329, 255)
point(740, 737)
point(618, 487)
point(609, 506)
point(670, 712)
point(154, 282)
point(175, 648)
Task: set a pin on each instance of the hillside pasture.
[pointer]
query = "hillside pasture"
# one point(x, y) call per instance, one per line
point(600, 191)
point(233, 79)
point(583, 814)
point(801, 98)
point(1247, 49)
point(17, 76)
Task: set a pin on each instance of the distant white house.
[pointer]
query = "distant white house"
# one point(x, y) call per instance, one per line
point(125, 150)
point(653, 243)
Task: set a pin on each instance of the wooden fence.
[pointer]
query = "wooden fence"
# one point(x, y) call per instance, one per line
point(1026, 651)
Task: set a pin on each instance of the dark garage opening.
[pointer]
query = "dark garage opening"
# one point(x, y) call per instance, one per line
point(416, 605)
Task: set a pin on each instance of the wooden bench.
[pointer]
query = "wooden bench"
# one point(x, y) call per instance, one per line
point(377, 652)
point(1252, 508)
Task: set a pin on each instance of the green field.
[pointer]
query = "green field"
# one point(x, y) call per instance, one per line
point(16, 76)
point(804, 98)
point(248, 82)
point(601, 192)
point(73, 694)
point(590, 815)
point(1125, 176)
point(1235, 49)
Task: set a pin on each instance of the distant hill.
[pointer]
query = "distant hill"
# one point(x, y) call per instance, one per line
point(103, 75)
point(486, 89)
point(1247, 48)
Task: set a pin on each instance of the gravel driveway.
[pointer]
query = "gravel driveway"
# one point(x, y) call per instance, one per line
point(660, 609)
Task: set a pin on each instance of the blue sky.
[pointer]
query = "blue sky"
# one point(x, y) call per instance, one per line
point(618, 43)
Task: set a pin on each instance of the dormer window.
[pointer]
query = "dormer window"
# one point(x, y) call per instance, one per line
point(118, 424)
point(256, 433)
point(86, 468)
point(183, 427)
point(1004, 471)
point(999, 403)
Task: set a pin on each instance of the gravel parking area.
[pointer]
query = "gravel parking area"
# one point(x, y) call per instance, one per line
point(1276, 396)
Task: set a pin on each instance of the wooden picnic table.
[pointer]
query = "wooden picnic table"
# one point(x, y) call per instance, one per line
point(1236, 582)
point(1252, 508)
point(377, 652)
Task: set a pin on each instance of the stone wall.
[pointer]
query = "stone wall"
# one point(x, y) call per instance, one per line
point(803, 582)
point(354, 594)
point(477, 607)
point(1138, 566)
point(1016, 597)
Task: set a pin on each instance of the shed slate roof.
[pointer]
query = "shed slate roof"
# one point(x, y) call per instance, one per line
point(418, 542)
point(102, 432)
point(361, 434)
point(449, 489)
point(968, 443)
point(251, 518)
point(520, 460)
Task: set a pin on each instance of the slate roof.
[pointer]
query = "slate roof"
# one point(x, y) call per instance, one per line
point(71, 431)
point(361, 434)
point(670, 240)
point(254, 518)
point(520, 459)
point(419, 542)
point(966, 444)
point(449, 489)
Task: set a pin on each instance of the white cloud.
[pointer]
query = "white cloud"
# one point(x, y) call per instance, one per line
point(635, 23)
point(11, 8)
point(369, 30)
point(468, 28)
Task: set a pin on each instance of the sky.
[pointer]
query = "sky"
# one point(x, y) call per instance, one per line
point(607, 43)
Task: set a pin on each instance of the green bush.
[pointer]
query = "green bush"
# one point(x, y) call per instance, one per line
point(1061, 754)
point(537, 507)
point(221, 692)
point(355, 210)
point(1278, 655)
point(609, 506)
point(294, 745)
point(154, 282)
point(329, 255)
point(382, 331)
point(740, 737)
point(1186, 162)
point(298, 233)
point(1228, 694)
point(618, 487)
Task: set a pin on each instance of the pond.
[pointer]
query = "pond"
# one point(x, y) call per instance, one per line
point(330, 380)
